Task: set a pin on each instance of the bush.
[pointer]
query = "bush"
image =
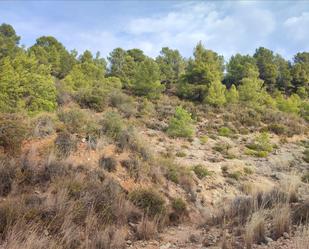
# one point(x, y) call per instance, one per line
point(13, 131)
point(181, 125)
point(200, 171)
point(113, 124)
point(306, 156)
point(203, 139)
point(255, 229)
point(151, 202)
point(277, 129)
point(7, 175)
point(235, 175)
point(225, 132)
point(305, 177)
point(43, 126)
point(108, 163)
point(74, 120)
point(92, 98)
point(65, 143)
point(261, 146)
point(301, 213)
point(179, 206)
point(123, 103)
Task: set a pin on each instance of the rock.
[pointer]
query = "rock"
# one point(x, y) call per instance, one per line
point(129, 242)
point(194, 238)
point(286, 235)
point(268, 240)
point(46, 233)
point(165, 246)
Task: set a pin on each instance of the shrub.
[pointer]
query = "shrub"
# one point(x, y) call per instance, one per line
point(13, 131)
point(65, 143)
point(235, 175)
point(151, 202)
point(261, 146)
point(179, 206)
point(306, 155)
point(7, 175)
point(43, 126)
point(248, 171)
point(93, 98)
point(181, 125)
point(181, 154)
point(278, 129)
point(301, 213)
point(74, 120)
point(200, 171)
point(123, 103)
point(305, 177)
point(225, 132)
point(113, 124)
point(108, 163)
point(203, 139)
point(146, 229)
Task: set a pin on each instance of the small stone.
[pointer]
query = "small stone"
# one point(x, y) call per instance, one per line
point(46, 233)
point(165, 246)
point(129, 242)
point(268, 240)
point(194, 238)
point(286, 235)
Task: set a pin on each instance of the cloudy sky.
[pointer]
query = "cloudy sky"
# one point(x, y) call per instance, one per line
point(223, 26)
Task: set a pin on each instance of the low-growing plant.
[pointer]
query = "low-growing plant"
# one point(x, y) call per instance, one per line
point(75, 120)
point(44, 126)
point(108, 163)
point(123, 103)
point(181, 154)
point(181, 125)
point(203, 139)
point(248, 171)
point(225, 132)
point(306, 155)
point(7, 175)
point(179, 210)
point(278, 129)
point(260, 146)
point(236, 175)
point(13, 130)
point(95, 98)
point(113, 124)
point(65, 143)
point(200, 171)
point(305, 177)
point(150, 201)
point(255, 229)
point(281, 220)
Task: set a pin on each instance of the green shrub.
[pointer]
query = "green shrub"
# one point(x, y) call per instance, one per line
point(65, 143)
point(151, 202)
point(235, 175)
point(261, 146)
point(75, 120)
point(43, 126)
point(113, 124)
point(203, 139)
point(278, 129)
point(93, 98)
point(181, 154)
point(13, 130)
point(123, 103)
point(181, 125)
point(179, 206)
point(248, 171)
point(225, 132)
point(200, 171)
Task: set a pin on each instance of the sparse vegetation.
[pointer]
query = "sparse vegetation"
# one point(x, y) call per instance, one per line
point(200, 171)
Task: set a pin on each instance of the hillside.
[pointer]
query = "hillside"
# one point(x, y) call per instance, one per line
point(147, 153)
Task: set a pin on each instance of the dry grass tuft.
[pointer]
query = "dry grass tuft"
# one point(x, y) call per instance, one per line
point(255, 229)
point(147, 229)
point(281, 220)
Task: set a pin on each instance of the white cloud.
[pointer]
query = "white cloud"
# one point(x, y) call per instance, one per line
point(298, 26)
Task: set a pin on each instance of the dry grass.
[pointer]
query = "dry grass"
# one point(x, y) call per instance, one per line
point(281, 220)
point(302, 239)
point(255, 229)
point(147, 229)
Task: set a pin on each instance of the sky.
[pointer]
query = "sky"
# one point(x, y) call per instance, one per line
point(227, 27)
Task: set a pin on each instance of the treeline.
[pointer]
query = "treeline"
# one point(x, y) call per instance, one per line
point(42, 76)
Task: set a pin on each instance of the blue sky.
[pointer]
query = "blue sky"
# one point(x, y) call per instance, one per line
point(227, 27)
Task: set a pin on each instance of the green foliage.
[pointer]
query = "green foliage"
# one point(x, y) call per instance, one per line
point(206, 67)
point(240, 67)
point(179, 206)
point(51, 52)
point(204, 139)
point(8, 41)
point(113, 124)
point(200, 171)
point(171, 64)
point(232, 95)
point(260, 146)
point(250, 90)
point(74, 119)
point(290, 104)
point(123, 102)
point(151, 202)
point(24, 84)
point(181, 125)
point(235, 175)
point(225, 132)
point(216, 94)
point(146, 79)
point(13, 130)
